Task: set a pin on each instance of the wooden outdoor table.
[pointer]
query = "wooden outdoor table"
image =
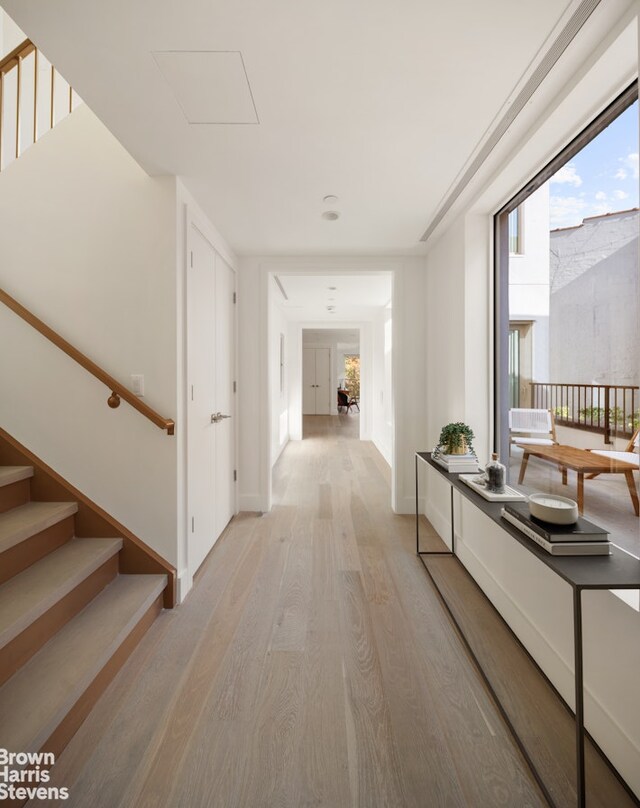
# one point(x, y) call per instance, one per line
point(582, 462)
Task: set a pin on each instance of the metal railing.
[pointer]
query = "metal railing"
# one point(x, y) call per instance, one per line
point(609, 409)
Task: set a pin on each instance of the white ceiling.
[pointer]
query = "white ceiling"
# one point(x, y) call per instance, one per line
point(353, 297)
point(379, 103)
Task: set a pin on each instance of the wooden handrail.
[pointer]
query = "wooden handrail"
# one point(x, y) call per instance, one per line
point(9, 61)
point(118, 390)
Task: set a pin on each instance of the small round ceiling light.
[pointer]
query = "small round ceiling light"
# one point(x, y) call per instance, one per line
point(331, 215)
point(332, 288)
point(330, 199)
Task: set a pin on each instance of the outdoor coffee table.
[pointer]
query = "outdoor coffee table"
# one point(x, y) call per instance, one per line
point(582, 462)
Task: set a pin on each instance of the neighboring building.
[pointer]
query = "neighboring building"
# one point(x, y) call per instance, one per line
point(594, 319)
point(529, 296)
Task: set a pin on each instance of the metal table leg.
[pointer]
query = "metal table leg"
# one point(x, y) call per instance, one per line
point(579, 685)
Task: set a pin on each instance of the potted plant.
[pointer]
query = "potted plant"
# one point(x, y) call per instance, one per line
point(456, 438)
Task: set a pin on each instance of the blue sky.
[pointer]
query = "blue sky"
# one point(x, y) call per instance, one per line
point(602, 178)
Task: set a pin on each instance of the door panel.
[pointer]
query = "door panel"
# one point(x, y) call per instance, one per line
point(201, 529)
point(308, 381)
point(323, 381)
point(224, 403)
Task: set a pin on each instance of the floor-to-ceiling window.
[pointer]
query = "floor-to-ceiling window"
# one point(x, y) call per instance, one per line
point(568, 318)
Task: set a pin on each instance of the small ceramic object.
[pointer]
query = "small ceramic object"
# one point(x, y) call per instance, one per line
point(553, 508)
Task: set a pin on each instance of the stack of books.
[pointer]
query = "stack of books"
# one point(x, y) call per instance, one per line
point(456, 463)
point(580, 539)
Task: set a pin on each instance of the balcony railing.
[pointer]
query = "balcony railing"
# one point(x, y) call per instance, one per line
point(608, 409)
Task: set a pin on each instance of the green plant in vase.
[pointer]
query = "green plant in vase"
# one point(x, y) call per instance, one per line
point(456, 438)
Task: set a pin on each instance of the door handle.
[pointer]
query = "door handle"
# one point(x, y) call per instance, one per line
point(216, 417)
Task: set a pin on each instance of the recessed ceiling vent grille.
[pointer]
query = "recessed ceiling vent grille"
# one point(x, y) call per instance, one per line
point(560, 44)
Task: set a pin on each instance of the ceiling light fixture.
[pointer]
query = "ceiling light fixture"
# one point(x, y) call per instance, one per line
point(332, 288)
point(330, 199)
point(331, 215)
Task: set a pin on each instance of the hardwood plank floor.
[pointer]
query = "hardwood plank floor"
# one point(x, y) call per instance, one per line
point(313, 664)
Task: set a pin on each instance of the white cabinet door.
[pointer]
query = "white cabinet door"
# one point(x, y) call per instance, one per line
point(210, 371)
point(308, 381)
point(201, 372)
point(323, 381)
point(316, 381)
point(224, 404)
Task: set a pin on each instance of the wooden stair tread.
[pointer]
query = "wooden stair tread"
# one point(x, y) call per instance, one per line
point(28, 595)
point(12, 474)
point(38, 697)
point(27, 520)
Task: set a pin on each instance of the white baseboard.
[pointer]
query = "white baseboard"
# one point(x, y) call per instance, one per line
point(184, 582)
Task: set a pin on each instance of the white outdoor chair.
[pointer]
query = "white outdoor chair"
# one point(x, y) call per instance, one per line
point(631, 453)
point(531, 427)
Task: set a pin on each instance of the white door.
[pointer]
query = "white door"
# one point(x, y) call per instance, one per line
point(309, 381)
point(224, 397)
point(316, 381)
point(210, 425)
point(323, 381)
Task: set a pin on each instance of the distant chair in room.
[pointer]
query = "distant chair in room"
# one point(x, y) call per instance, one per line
point(529, 427)
point(630, 454)
point(346, 401)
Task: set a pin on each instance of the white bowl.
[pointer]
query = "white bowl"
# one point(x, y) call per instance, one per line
point(553, 508)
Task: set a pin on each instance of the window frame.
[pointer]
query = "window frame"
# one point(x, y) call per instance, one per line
point(502, 254)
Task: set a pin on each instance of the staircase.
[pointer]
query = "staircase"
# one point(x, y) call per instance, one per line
point(68, 617)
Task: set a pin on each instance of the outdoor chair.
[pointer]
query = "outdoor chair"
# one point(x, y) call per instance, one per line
point(631, 453)
point(537, 425)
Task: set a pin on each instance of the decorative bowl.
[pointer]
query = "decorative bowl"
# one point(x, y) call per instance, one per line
point(554, 509)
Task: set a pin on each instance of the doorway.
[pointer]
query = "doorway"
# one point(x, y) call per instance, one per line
point(210, 405)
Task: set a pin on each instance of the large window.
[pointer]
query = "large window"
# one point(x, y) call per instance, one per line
point(568, 318)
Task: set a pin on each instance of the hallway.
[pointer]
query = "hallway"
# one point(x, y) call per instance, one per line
point(311, 665)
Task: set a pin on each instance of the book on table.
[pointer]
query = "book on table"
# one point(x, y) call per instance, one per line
point(560, 546)
point(455, 462)
point(581, 531)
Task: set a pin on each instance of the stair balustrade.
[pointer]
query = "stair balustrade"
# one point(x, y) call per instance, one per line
point(27, 108)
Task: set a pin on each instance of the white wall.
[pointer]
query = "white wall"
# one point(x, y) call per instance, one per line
point(382, 393)
point(595, 269)
point(529, 279)
point(279, 393)
point(87, 242)
point(459, 370)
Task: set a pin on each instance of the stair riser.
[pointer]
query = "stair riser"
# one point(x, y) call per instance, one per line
point(81, 709)
point(13, 495)
point(28, 642)
point(34, 548)
point(72, 722)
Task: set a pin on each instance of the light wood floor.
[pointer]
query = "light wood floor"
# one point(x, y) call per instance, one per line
point(312, 665)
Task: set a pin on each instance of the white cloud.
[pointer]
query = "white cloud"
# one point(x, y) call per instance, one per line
point(629, 166)
point(618, 194)
point(567, 174)
point(600, 195)
point(566, 211)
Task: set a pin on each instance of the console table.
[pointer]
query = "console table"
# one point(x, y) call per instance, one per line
point(616, 571)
